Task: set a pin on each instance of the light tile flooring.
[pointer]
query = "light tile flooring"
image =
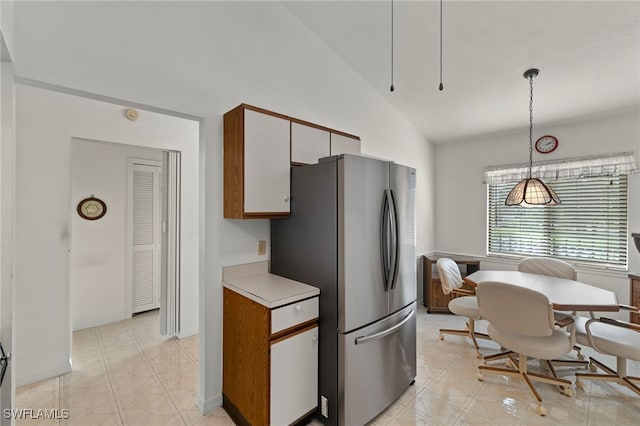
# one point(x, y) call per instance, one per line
point(125, 374)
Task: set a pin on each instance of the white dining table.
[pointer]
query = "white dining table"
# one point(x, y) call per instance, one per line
point(564, 294)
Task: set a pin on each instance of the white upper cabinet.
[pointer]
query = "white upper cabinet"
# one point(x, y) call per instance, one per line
point(308, 144)
point(256, 164)
point(344, 145)
point(259, 148)
point(266, 163)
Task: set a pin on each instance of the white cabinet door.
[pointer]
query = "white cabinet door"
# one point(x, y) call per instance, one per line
point(266, 163)
point(344, 145)
point(308, 144)
point(294, 377)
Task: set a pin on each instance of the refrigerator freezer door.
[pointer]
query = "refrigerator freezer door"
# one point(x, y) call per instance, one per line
point(362, 298)
point(377, 363)
point(403, 188)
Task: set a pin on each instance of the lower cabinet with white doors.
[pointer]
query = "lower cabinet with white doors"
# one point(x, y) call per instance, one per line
point(270, 349)
point(294, 376)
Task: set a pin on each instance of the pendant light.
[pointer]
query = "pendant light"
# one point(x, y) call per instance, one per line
point(392, 88)
point(531, 191)
point(440, 86)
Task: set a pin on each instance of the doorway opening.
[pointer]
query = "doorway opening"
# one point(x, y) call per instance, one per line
point(128, 261)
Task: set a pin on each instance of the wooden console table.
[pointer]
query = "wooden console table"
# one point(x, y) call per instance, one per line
point(434, 298)
point(634, 283)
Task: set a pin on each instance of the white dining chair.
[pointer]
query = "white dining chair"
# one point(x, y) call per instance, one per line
point(612, 337)
point(465, 304)
point(552, 267)
point(522, 320)
point(548, 266)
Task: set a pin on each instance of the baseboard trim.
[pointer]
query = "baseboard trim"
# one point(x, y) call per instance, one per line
point(233, 412)
point(43, 375)
point(97, 323)
point(210, 405)
point(183, 334)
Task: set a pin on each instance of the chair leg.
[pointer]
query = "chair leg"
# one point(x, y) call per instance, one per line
point(570, 362)
point(532, 388)
point(471, 326)
point(451, 331)
point(469, 332)
point(564, 386)
point(520, 370)
point(601, 366)
point(629, 382)
point(535, 393)
point(619, 376)
point(499, 355)
point(550, 368)
point(578, 349)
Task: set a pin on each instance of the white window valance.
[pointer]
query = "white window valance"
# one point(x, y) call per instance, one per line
point(602, 165)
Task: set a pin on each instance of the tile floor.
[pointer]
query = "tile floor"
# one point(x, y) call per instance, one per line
point(125, 374)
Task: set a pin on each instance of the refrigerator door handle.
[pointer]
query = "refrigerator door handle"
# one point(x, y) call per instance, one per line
point(393, 231)
point(379, 335)
point(384, 241)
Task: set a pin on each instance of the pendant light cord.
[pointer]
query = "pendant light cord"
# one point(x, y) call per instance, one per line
point(530, 124)
point(440, 87)
point(391, 88)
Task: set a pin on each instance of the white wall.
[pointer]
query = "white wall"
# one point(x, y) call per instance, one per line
point(7, 203)
point(6, 29)
point(205, 58)
point(99, 247)
point(7, 194)
point(46, 122)
point(460, 207)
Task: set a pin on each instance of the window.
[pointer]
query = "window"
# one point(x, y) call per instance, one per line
point(590, 225)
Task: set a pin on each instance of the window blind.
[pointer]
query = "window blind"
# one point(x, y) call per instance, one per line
point(616, 164)
point(589, 226)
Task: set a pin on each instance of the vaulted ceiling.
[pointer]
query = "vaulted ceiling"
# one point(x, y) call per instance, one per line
point(588, 54)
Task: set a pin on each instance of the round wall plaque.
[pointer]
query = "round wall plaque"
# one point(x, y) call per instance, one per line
point(92, 208)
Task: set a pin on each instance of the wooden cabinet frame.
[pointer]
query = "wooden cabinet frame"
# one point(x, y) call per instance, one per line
point(246, 354)
point(234, 164)
point(234, 160)
point(634, 299)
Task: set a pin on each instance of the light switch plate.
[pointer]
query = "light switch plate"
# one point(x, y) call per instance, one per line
point(262, 247)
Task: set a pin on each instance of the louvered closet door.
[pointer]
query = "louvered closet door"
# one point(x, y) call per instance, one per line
point(145, 262)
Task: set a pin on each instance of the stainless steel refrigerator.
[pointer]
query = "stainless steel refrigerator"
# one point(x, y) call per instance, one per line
point(351, 232)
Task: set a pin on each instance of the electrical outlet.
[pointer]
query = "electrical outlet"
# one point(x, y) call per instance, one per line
point(262, 247)
point(324, 403)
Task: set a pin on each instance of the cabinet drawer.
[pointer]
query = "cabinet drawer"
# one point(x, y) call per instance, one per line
point(295, 313)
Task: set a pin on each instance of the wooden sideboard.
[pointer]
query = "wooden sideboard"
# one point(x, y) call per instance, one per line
point(634, 284)
point(434, 298)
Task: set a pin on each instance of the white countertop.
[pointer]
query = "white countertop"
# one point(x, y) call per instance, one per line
point(267, 289)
